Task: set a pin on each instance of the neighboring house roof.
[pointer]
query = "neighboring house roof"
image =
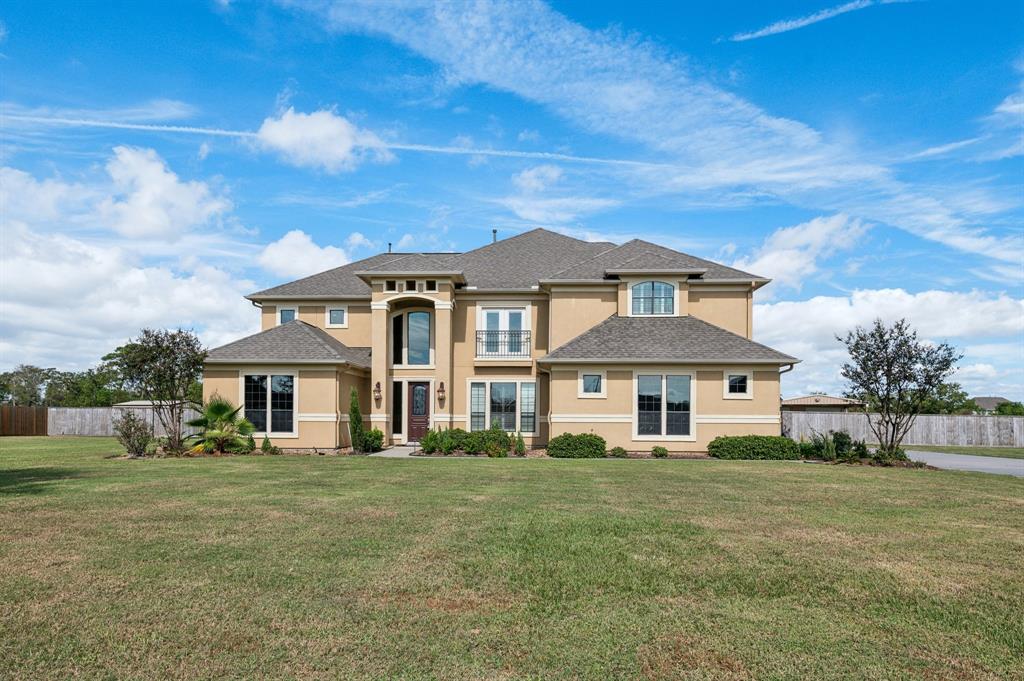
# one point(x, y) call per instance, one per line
point(663, 339)
point(821, 401)
point(138, 403)
point(989, 403)
point(519, 262)
point(294, 342)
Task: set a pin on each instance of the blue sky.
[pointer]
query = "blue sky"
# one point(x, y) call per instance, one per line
point(161, 160)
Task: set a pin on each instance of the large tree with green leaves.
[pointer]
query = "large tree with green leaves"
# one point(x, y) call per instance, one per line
point(99, 387)
point(897, 373)
point(161, 366)
point(24, 385)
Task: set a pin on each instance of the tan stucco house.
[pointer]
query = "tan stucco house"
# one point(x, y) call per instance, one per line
point(541, 333)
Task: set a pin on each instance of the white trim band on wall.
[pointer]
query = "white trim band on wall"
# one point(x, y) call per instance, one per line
point(737, 418)
point(380, 418)
point(591, 418)
point(318, 417)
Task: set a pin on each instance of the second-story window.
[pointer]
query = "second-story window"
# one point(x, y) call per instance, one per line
point(410, 339)
point(503, 332)
point(653, 298)
point(286, 314)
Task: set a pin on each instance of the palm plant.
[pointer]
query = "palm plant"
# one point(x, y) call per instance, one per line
point(223, 429)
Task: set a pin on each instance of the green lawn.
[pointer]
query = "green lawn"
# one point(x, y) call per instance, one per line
point(326, 567)
point(1006, 452)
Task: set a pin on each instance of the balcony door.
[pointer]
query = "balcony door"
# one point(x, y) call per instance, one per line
point(419, 411)
point(503, 329)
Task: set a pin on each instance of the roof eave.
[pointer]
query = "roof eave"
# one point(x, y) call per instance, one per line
point(368, 275)
point(260, 297)
point(655, 270)
point(279, 361)
point(631, 360)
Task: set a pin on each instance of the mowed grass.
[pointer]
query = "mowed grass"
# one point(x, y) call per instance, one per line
point(1005, 452)
point(326, 567)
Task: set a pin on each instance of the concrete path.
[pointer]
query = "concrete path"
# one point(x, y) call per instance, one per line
point(401, 452)
point(966, 462)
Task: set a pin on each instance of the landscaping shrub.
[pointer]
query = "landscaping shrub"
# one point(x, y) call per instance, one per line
point(268, 448)
point(446, 443)
point(496, 439)
point(753, 447)
point(458, 436)
point(495, 450)
point(133, 433)
point(582, 446)
point(430, 441)
point(373, 440)
point(843, 444)
point(520, 446)
point(860, 449)
point(474, 443)
point(887, 457)
point(659, 452)
point(618, 452)
point(808, 449)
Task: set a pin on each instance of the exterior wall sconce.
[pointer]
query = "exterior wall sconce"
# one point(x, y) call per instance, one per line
point(440, 392)
point(376, 391)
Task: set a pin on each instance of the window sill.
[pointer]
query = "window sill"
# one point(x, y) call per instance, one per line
point(664, 438)
point(492, 361)
point(276, 435)
point(738, 396)
point(592, 396)
point(413, 366)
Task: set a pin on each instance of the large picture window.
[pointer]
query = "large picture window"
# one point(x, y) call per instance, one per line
point(495, 402)
point(664, 406)
point(270, 399)
point(653, 298)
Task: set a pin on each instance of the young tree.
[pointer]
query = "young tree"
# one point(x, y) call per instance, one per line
point(896, 373)
point(162, 366)
point(355, 422)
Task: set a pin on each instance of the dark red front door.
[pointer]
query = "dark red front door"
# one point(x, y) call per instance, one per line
point(419, 410)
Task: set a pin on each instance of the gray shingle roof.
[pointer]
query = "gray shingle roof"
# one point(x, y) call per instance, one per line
point(295, 341)
point(641, 255)
point(664, 339)
point(519, 262)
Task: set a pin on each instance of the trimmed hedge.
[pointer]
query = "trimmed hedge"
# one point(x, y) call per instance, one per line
point(659, 452)
point(582, 446)
point(618, 453)
point(753, 447)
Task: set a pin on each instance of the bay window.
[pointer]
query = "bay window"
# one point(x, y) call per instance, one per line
point(663, 406)
point(269, 400)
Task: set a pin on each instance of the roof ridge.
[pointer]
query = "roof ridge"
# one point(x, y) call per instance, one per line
point(519, 236)
point(586, 260)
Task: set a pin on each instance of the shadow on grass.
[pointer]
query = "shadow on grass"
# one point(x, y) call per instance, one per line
point(32, 480)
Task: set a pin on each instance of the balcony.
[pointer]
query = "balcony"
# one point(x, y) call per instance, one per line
point(503, 345)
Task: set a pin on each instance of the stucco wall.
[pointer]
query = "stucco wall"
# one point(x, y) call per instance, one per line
point(357, 335)
point(575, 310)
point(612, 416)
point(727, 309)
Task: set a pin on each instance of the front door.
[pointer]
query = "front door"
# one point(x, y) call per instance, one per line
point(419, 411)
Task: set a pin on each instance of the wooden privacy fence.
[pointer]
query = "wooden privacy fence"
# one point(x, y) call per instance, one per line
point(15, 420)
point(928, 429)
point(99, 421)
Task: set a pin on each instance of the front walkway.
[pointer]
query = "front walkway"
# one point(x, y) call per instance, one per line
point(965, 462)
point(397, 452)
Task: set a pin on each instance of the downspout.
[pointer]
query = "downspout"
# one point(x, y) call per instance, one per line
point(789, 367)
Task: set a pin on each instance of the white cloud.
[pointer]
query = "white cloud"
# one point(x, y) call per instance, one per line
point(792, 254)
point(528, 136)
point(807, 329)
point(321, 139)
point(358, 240)
point(555, 210)
point(66, 302)
point(537, 179)
point(150, 199)
point(296, 255)
point(204, 151)
point(800, 22)
point(712, 140)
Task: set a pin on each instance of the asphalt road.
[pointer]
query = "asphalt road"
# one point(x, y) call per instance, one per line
point(965, 462)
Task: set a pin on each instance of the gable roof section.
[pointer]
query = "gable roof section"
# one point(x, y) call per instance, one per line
point(295, 342)
point(670, 340)
point(519, 262)
point(643, 255)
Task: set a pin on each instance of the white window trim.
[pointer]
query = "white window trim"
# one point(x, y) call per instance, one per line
point(327, 316)
point(631, 282)
point(519, 402)
point(481, 312)
point(427, 289)
point(749, 395)
point(268, 372)
point(663, 372)
point(405, 339)
point(592, 396)
point(280, 309)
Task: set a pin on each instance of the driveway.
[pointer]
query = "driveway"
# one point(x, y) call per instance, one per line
point(966, 462)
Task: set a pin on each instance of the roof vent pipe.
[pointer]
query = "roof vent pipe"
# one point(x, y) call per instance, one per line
point(389, 247)
point(494, 236)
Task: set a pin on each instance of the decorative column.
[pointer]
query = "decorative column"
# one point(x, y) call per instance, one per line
point(380, 407)
point(443, 362)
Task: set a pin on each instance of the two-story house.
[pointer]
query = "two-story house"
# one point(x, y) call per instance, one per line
point(540, 333)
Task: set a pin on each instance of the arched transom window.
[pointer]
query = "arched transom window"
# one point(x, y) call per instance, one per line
point(654, 298)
